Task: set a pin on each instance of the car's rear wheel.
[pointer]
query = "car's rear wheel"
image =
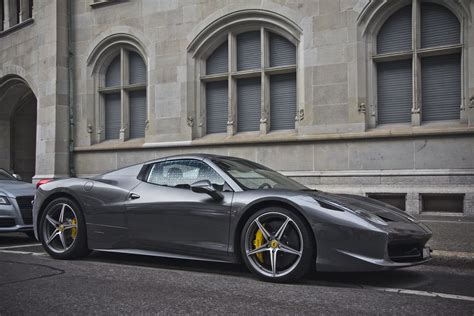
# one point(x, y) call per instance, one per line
point(277, 245)
point(62, 230)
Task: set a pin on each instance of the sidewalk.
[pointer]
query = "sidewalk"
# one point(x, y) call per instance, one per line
point(452, 241)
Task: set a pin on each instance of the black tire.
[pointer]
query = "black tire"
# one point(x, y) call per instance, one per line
point(31, 234)
point(297, 268)
point(78, 247)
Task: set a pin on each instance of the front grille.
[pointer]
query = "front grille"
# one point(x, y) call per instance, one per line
point(7, 222)
point(411, 252)
point(26, 208)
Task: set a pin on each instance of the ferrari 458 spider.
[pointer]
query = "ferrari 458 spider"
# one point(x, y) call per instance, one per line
point(227, 209)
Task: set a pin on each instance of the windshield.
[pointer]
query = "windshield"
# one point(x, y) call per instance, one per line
point(252, 176)
point(4, 175)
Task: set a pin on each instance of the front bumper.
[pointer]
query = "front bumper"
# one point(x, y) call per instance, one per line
point(396, 245)
point(16, 217)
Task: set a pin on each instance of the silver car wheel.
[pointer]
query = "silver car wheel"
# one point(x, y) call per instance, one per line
point(60, 228)
point(273, 244)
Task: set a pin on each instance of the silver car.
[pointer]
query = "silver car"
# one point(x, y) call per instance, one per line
point(15, 204)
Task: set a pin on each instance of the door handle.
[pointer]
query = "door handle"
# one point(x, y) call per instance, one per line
point(134, 196)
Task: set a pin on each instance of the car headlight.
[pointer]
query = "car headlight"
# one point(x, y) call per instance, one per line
point(4, 200)
point(361, 213)
point(370, 217)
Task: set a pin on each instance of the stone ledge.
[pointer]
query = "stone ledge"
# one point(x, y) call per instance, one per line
point(16, 27)
point(378, 173)
point(221, 140)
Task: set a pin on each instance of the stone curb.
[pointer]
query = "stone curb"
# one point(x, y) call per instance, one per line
point(453, 259)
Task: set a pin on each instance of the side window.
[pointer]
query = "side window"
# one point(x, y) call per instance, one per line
point(183, 173)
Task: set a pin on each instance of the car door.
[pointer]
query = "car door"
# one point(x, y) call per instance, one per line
point(165, 215)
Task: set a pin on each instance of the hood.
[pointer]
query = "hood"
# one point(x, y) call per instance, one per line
point(14, 188)
point(385, 211)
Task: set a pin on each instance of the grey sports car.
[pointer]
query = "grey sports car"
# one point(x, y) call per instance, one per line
point(15, 204)
point(219, 208)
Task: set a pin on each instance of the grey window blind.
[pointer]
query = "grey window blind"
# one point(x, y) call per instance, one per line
point(248, 104)
point(112, 75)
point(137, 68)
point(138, 113)
point(282, 101)
point(441, 87)
point(439, 26)
point(395, 34)
point(217, 62)
point(248, 50)
point(112, 116)
point(282, 51)
point(394, 91)
point(216, 106)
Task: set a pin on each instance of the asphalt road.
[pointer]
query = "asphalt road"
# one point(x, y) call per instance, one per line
point(32, 282)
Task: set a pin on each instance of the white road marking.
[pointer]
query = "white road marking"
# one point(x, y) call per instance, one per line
point(424, 293)
point(23, 252)
point(19, 246)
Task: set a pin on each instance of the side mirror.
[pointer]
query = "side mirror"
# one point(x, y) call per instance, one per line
point(17, 176)
point(205, 186)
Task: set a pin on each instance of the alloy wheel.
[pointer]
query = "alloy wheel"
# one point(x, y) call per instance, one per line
point(274, 244)
point(60, 228)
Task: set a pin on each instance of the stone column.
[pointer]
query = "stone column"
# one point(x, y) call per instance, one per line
point(52, 149)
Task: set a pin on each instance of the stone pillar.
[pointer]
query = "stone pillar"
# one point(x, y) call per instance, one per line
point(52, 150)
point(413, 204)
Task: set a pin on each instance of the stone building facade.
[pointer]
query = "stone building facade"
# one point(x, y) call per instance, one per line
point(357, 96)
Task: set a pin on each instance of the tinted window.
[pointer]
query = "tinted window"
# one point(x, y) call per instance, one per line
point(183, 173)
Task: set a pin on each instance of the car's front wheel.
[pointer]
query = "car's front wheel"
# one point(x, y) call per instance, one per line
point(62, 230)
point(277, 245)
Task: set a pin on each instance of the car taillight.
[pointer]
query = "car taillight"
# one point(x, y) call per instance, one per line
point(42, 181)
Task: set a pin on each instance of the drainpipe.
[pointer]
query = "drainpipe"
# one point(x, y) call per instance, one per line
point(70, 65)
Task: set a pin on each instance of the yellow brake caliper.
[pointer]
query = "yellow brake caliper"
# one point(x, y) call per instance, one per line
point(258, 242)
point(74, 229)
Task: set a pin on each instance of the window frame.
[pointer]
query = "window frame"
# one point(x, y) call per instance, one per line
point(233, 74)
point(416, 54)
point(15, 14)
point(124, 89)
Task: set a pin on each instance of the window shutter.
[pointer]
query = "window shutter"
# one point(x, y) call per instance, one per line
point(112, 116)
point(282, 101)
point(395, 34)
point(137, 68)
point(439, 26)
point(112, 76)
point(248, 104)
point(441, 87)
point(282, 51)
point(248, 50)
point(138, 113)
point(217, 62)
point(394, 91)
point(216, 106)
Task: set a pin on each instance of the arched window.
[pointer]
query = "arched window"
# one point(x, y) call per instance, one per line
point(419, 71)
point(124, 96)
point(251, 73)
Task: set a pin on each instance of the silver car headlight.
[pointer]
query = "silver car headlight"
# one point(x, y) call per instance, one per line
point(361, 213)
point(4, 200)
